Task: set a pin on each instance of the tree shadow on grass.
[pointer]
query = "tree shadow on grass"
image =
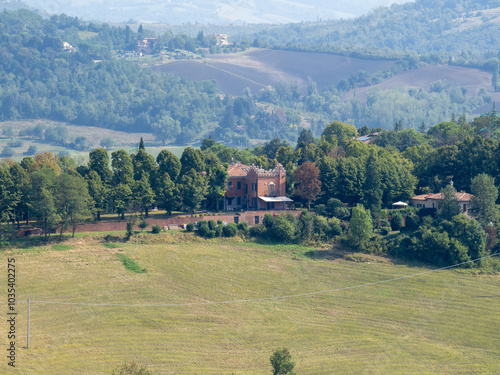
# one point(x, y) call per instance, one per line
point(326, 254)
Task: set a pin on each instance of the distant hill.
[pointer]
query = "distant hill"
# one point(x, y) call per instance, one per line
point(210, 11)
point(473, 80)
point(460, 28)
point(259, 68)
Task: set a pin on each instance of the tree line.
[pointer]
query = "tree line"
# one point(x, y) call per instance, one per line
point(341, 178)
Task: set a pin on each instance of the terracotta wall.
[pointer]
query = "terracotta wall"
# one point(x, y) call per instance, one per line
point(242, 216)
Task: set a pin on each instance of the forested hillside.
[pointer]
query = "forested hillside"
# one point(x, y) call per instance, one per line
point(41, 79)
point(430, 29)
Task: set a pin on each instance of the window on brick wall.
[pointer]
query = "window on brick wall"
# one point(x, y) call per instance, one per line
point(230, 185)
point(238, 185)
point(254, 186)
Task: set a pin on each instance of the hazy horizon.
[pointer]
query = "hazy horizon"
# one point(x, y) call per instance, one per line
point(210, 11)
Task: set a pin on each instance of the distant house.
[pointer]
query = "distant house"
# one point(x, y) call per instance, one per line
point(147, 45)
point(133, 54)
point(222, 39)
point(432, 201)
point(250, 187)
point(68, 47)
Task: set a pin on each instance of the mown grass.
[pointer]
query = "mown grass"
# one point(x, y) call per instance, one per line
point(438, 323)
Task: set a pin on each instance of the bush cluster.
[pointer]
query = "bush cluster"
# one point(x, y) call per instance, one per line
point(212, 229)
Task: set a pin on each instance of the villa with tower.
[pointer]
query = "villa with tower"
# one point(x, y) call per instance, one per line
point(254, 188)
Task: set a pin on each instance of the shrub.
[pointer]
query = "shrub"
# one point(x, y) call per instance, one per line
point(190, 227)
point(131, 369)
point(16, 143)
point(268, 221)
point(384, 223)
point(385, 231)
point(212, 224)
point(258, 230)
point(321, 209)
point(156, 229)
point(218, 230)
point(397, 221)
point(130, 228)
point(203, 228)
point(143, 224)
point(31, 150)
point(412, 222)
point(243, 226)
point(334, 227)
point(230, 230)
point(8, 152)
point(283, 229)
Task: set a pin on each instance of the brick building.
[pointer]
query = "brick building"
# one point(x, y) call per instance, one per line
point(253, 188)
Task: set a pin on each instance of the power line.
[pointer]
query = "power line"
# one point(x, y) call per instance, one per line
point(263, 298)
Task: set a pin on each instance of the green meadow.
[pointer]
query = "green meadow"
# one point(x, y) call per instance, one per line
point(443, 322)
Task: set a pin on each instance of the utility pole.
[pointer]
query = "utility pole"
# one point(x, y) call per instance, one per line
point(28, 345)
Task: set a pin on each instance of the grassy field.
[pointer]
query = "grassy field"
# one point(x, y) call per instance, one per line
point(94, 135)
point(444, 322)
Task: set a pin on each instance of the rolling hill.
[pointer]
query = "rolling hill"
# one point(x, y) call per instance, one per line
point(258, 68)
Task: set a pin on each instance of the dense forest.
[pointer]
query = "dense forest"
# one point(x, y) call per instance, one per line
point(350, 184)
point(428, 30)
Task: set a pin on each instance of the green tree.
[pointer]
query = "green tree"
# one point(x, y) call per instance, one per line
point(372, 197)
point(123, 169)
point(74, 204)
point(168, 163)
point(192, 159)
point(167, 193)
point(192, 189)
point(144, 164)
point(282, 363)
point(448, 204)
point(99, 162)
point(143, 194)
point(120, 197)
point(360, 227)
point(7, 200)
point(217, 186)
point(98, 191)
point(339, 132)
point(107, 143)
point(483, 203)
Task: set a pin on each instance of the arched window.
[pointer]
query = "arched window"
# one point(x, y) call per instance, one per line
point(271, 188)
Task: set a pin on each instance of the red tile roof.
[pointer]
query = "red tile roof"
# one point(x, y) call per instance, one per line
point(238, 170)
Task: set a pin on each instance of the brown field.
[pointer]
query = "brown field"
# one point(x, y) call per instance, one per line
point(258, 68)
point(471, 79)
